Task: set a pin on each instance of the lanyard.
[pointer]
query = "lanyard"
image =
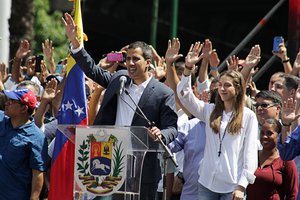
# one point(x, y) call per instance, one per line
point(224, 133)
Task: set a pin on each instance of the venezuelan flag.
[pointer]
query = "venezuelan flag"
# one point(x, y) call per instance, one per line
point(73, 110)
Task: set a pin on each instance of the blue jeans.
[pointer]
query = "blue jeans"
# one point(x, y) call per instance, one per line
point(206, 194)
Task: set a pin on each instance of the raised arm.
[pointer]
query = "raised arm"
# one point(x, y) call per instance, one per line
point(48, 95)
point(22, 52)
point(3, 75)
point(184, 89)
point(82, 58)
point(94, 103)
point(288, 115)
point(282, 54)
point(48, 50)
point(206, 53)
point(71, 30)
point(192, 58)
point(296, 66)
point(214, 62)
point(251, 61)
point(172, 55)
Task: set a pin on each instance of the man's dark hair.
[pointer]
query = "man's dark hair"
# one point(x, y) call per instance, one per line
point(270, 95)
point(291, 81)
point(146, 49)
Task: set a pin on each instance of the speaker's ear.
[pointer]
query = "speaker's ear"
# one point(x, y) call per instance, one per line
point(146, 69)
point(148, 64)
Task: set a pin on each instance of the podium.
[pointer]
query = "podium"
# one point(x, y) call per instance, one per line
point(108, 160)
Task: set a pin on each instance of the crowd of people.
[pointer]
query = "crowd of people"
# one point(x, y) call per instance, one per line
point(231, 140)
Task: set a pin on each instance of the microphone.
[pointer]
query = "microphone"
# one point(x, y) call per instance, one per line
point(122, 81)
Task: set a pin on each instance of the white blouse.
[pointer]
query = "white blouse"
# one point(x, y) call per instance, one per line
point(238, 160)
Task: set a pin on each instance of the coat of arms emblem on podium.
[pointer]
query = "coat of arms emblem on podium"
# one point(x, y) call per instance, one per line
point(100, 163)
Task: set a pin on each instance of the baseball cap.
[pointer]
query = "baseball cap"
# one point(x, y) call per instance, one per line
point(24, 95)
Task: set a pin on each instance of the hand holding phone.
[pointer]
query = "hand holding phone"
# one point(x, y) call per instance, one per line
point(59, 69)
point(277, 41)
point(38, 59)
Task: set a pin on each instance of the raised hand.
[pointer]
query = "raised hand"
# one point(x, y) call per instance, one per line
point(50, 90)
point(214, 60)
point(207, 49)
point(3, 72)
point(193, 56)
point(71, 28)
point(288, 114)
point(44, 72)
point(172, 53)
point(23, 50)
point(296, 66)
point(155, 56)
point(232, 63)
point(158, 61)
point(48, 49)
point(282, 53)
point(204, 96)
point(159, 72)
point(253, 57)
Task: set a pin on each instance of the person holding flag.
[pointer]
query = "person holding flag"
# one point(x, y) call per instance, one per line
point(155, 99)
point(73, 110)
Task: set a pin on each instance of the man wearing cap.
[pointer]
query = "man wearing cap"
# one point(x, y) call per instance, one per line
point(23, 148)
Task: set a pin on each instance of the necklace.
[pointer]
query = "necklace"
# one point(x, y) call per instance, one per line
point(224, 133)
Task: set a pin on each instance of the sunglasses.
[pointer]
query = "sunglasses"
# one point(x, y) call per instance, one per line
point(264, 105)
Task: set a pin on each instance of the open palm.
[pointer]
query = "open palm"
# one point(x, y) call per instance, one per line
point(253, 57)
point(70, 26)
point(172, 51)
point(288, 111)
point(193, 56)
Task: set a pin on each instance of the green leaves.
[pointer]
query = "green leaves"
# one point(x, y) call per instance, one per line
point(83, 158)
point(83, 146)
point(49, 26)
point(118, 160)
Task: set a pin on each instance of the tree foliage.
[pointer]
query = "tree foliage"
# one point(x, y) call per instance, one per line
point(20, 23)
point(49, 26)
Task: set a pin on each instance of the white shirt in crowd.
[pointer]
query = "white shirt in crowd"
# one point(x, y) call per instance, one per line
point(238, 160)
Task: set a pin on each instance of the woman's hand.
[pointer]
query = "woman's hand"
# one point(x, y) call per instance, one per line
point(238, 193)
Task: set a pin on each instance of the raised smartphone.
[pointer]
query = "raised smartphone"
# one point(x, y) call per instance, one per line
point(38, 59)
point(116, 57)
point(59, 69)
point(277, 41)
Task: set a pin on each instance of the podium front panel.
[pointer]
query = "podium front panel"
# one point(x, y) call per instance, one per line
point(108, 160)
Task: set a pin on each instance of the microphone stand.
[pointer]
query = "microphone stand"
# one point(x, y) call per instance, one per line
point(167, 154)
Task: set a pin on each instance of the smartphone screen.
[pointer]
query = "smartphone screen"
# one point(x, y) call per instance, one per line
point(277, 41)
point(114, 57)
point(38, 59)
point(59, 69)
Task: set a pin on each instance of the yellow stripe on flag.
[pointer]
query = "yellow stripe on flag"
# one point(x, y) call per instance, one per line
point(78, 21)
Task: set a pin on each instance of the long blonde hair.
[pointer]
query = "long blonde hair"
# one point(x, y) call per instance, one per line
point(235, 123)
